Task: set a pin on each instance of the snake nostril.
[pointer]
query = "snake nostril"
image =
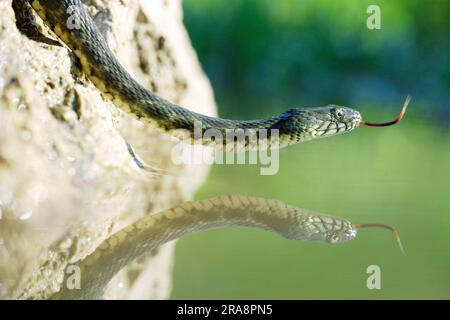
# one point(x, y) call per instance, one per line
point(356, 118)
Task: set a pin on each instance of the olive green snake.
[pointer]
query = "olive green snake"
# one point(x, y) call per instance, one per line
point(294, 126)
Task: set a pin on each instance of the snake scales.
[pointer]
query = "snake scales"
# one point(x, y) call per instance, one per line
point(291, 127)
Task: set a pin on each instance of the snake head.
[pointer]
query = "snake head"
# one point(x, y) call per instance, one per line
point(344, 115)
point(336, 119)
point(311, 123)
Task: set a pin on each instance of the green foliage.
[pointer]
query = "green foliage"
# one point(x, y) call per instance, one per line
point(305, 53)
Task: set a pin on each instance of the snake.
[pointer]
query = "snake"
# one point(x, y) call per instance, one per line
point(72, 24)
point(69, 20)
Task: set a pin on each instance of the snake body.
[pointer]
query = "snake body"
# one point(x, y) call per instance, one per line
point(140, 238)
point(69, 20)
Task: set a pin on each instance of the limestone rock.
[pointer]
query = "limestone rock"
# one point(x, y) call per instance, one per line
point(69, 169)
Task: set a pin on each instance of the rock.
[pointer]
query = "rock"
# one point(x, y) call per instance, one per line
point(71, 163)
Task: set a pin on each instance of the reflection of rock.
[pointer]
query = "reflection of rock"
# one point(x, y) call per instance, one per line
point(67, 178)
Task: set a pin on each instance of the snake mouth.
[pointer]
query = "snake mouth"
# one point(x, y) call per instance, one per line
point(337, 129)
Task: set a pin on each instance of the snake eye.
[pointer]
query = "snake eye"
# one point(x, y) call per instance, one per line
point(339, 113)
point(333, 238)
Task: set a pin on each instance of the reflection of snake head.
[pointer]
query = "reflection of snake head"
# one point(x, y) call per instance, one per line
point(345, 234)
point(313, 226)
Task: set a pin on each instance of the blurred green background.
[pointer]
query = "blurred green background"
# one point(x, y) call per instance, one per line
point(265, 56)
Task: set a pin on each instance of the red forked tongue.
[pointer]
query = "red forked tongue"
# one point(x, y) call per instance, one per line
point(390, 123)
point(385, 226)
